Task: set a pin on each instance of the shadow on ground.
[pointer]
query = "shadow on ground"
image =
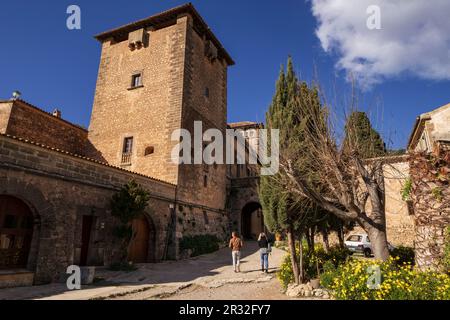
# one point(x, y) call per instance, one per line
point(210, 268)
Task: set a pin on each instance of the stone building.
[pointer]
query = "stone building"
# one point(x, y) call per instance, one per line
point(430, 130)
point(429, 164)
point(156, 75)
point(244, 207)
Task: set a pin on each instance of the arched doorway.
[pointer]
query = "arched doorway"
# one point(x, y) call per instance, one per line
point(16, 232)
point(142, 245)
point(252, 220)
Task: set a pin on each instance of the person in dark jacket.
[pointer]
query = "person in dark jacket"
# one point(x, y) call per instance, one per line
point(264, 250)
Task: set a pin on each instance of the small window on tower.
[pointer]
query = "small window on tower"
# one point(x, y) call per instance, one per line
point(207, 92)
point(136, 80)
point(149, 150)
point(205, 181)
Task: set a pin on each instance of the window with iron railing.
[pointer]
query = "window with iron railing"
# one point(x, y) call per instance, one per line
point(127, 150)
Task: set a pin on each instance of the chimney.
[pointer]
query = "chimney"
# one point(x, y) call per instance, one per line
point(57, 113)
point(16, 95)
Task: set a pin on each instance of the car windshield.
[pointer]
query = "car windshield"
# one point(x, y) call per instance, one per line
point(354, 238)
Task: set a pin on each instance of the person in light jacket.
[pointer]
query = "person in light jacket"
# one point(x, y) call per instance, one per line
point(264, 250)
point(235, 246)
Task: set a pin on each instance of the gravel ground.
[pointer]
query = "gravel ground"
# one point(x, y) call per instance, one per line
point(209, 276)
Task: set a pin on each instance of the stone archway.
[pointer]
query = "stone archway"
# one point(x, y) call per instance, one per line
point(16, 232)
point(44, 265)
point(252, 221)
point(142, 245)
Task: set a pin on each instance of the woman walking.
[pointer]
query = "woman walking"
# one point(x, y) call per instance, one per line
point(235, 246)
point(264, 250)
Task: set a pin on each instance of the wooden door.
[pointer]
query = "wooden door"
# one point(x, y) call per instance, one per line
point(16, 231)
point(138, 249)
point(247, 225)
point(86, 230)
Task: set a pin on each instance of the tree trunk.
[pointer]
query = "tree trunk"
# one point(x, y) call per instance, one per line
point(302, 273)
point(378, 240)
point(340, 234)
point(375, 222)
point(313, 241)
point(293, 254)
point(326, 241)
point(308, 240)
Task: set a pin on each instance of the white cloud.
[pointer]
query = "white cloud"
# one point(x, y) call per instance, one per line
point(414, 38)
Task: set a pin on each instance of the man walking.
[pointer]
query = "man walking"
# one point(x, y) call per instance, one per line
point(236, 245)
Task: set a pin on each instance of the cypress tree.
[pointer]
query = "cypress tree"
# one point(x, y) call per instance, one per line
point(361, 137)
point(283, 211)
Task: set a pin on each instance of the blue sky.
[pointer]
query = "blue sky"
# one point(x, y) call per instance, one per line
point(54, 67)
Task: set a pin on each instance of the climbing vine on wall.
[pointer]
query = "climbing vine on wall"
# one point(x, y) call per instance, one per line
point(430, 193)
point(406, 189)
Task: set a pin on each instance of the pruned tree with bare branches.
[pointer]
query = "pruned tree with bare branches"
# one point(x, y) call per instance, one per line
point(339, 179)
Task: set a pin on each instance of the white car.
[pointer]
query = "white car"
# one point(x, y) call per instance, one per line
point(359, 243)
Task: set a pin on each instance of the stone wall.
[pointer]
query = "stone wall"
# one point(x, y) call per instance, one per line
point(5, 113)
point(399, 219)
point(20, 119)
point(175, 74)
point(437, 126)
point(60, 189)
point(242, 191)
point(192, 221)
point(208, 181)
point(148, 113)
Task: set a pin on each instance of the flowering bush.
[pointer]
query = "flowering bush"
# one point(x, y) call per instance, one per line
point(328, 275)
point(285, 273)
point(405, 255)
point(351, 282)
point(311, 260)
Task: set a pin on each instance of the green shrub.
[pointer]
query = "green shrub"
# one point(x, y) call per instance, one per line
point(397, 282)
point(122, 231)
point(311, 260)
point(406, 189)
point(285, 274)
point(200, 244)
point(328, 274)
point(335, 255)
point(405, 255)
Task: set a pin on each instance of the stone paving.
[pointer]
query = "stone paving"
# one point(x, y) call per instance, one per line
point(166, 279)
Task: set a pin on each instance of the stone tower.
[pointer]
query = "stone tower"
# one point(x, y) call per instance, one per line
point(157, 75)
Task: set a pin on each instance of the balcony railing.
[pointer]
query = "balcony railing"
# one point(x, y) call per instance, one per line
point(126, 158)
